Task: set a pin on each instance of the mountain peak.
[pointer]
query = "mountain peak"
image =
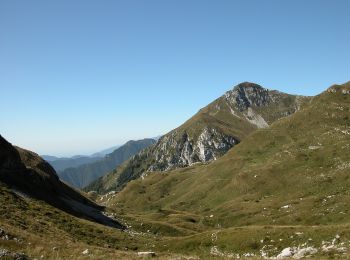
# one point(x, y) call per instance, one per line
point(248, 94)
point(206, 136)
point(247, 84)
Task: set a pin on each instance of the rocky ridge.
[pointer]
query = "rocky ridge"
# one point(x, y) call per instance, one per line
point(209, 134)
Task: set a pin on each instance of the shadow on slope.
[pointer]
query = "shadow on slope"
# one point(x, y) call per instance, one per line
point(28, 175)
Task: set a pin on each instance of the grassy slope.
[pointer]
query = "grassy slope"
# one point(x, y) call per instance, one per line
point(301, 161)
point(51, 233)
point(306, 150)
point(41, 227)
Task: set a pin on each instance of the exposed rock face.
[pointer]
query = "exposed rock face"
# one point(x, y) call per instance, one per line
point(207, 135)
point(261, 106)
point(171, 152)
point(247, 94)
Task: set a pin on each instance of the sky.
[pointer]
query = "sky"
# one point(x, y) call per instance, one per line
point(80, 76)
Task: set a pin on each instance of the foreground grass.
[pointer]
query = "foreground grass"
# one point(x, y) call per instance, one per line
point(41, 230)
point(44, 232)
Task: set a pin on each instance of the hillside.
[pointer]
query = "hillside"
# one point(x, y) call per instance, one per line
point(207, 135)
point(83, 175)
point(286, 186)
point(33, 229)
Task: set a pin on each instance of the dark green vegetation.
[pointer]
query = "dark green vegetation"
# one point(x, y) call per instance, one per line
point(83, 175)
point(207, 135)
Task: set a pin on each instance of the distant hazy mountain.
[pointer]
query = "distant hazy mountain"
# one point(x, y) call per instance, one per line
point(59, 164)
point(62, 163)
point(49, 158)
point(104, 152)
point(84, 174)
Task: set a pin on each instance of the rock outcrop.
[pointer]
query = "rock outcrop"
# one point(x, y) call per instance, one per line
point(173, 153)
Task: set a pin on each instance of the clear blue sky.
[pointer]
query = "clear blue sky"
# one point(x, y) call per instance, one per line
point(79, 76)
